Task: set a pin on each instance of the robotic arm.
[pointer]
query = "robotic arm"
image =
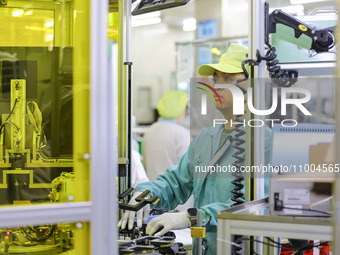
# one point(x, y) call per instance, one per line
point(323, 40)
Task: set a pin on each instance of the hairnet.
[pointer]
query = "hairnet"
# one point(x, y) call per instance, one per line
point(172, 104)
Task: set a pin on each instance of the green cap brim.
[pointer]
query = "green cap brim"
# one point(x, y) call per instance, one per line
point(209, 69)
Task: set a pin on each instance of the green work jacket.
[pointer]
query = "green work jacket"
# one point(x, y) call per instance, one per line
point(212, 191)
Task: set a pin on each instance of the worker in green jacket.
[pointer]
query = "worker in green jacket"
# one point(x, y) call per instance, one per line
point(214, 146)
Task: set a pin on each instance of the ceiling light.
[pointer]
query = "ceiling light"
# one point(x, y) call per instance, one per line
point(144, 22)
point(189, 24)
point(146, 19)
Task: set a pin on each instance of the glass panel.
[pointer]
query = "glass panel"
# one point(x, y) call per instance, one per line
point(36, 98)
point(44, 73)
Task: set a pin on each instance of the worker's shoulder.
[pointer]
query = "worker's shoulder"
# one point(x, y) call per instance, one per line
point(208, 133)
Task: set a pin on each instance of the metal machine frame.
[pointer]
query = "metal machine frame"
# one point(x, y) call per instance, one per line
point(99, 209)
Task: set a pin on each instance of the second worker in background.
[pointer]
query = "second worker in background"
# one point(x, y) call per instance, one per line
point(165, 142)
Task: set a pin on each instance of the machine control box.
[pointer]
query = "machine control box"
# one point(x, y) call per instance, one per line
point(301, 194)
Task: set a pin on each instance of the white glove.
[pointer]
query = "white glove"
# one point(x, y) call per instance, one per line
point(142, 214)
point(168, 221)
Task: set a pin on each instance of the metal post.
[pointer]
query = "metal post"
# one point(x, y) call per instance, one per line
point(123, 91)
point(336, 189)
point(103, 159)
point(255, 154)
point(256, 43)
point(128, 86)
point(129, 120)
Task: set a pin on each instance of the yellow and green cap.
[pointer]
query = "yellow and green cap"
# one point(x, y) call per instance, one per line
point(172, 104)
point(230, 61)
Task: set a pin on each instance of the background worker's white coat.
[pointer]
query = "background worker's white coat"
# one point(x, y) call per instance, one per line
point(164, 143)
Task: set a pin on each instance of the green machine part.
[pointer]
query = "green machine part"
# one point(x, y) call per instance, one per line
point(295, 50)
point(63, 188)
point(18, 112)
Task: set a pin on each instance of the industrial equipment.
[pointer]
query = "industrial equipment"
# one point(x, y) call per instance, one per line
point(152, 245)
point(32, 172)
point(290, 194)
point(141, 199)
point(319, 40)
point(135, 241)
point(323, 39)
point(304, 178)
point(305, 195)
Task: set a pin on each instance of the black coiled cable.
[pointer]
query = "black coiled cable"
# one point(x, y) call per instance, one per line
point(283, 78)
point(239, 142)
point(239, 157)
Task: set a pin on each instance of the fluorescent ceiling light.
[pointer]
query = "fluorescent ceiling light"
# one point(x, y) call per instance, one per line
point(17, 13)
point(306, 1)
point(144, 22)
point(189, 24)
point(188, 28)
point(189, 21)
point(146, 19)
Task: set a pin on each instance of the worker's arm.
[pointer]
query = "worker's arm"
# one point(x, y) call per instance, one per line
point(174, 187)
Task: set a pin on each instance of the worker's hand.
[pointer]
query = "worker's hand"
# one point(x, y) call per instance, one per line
point(168, 221)
point(142, 214)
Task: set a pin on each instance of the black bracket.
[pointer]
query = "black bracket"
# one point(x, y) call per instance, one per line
point(323, 40)
point(141, 199)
